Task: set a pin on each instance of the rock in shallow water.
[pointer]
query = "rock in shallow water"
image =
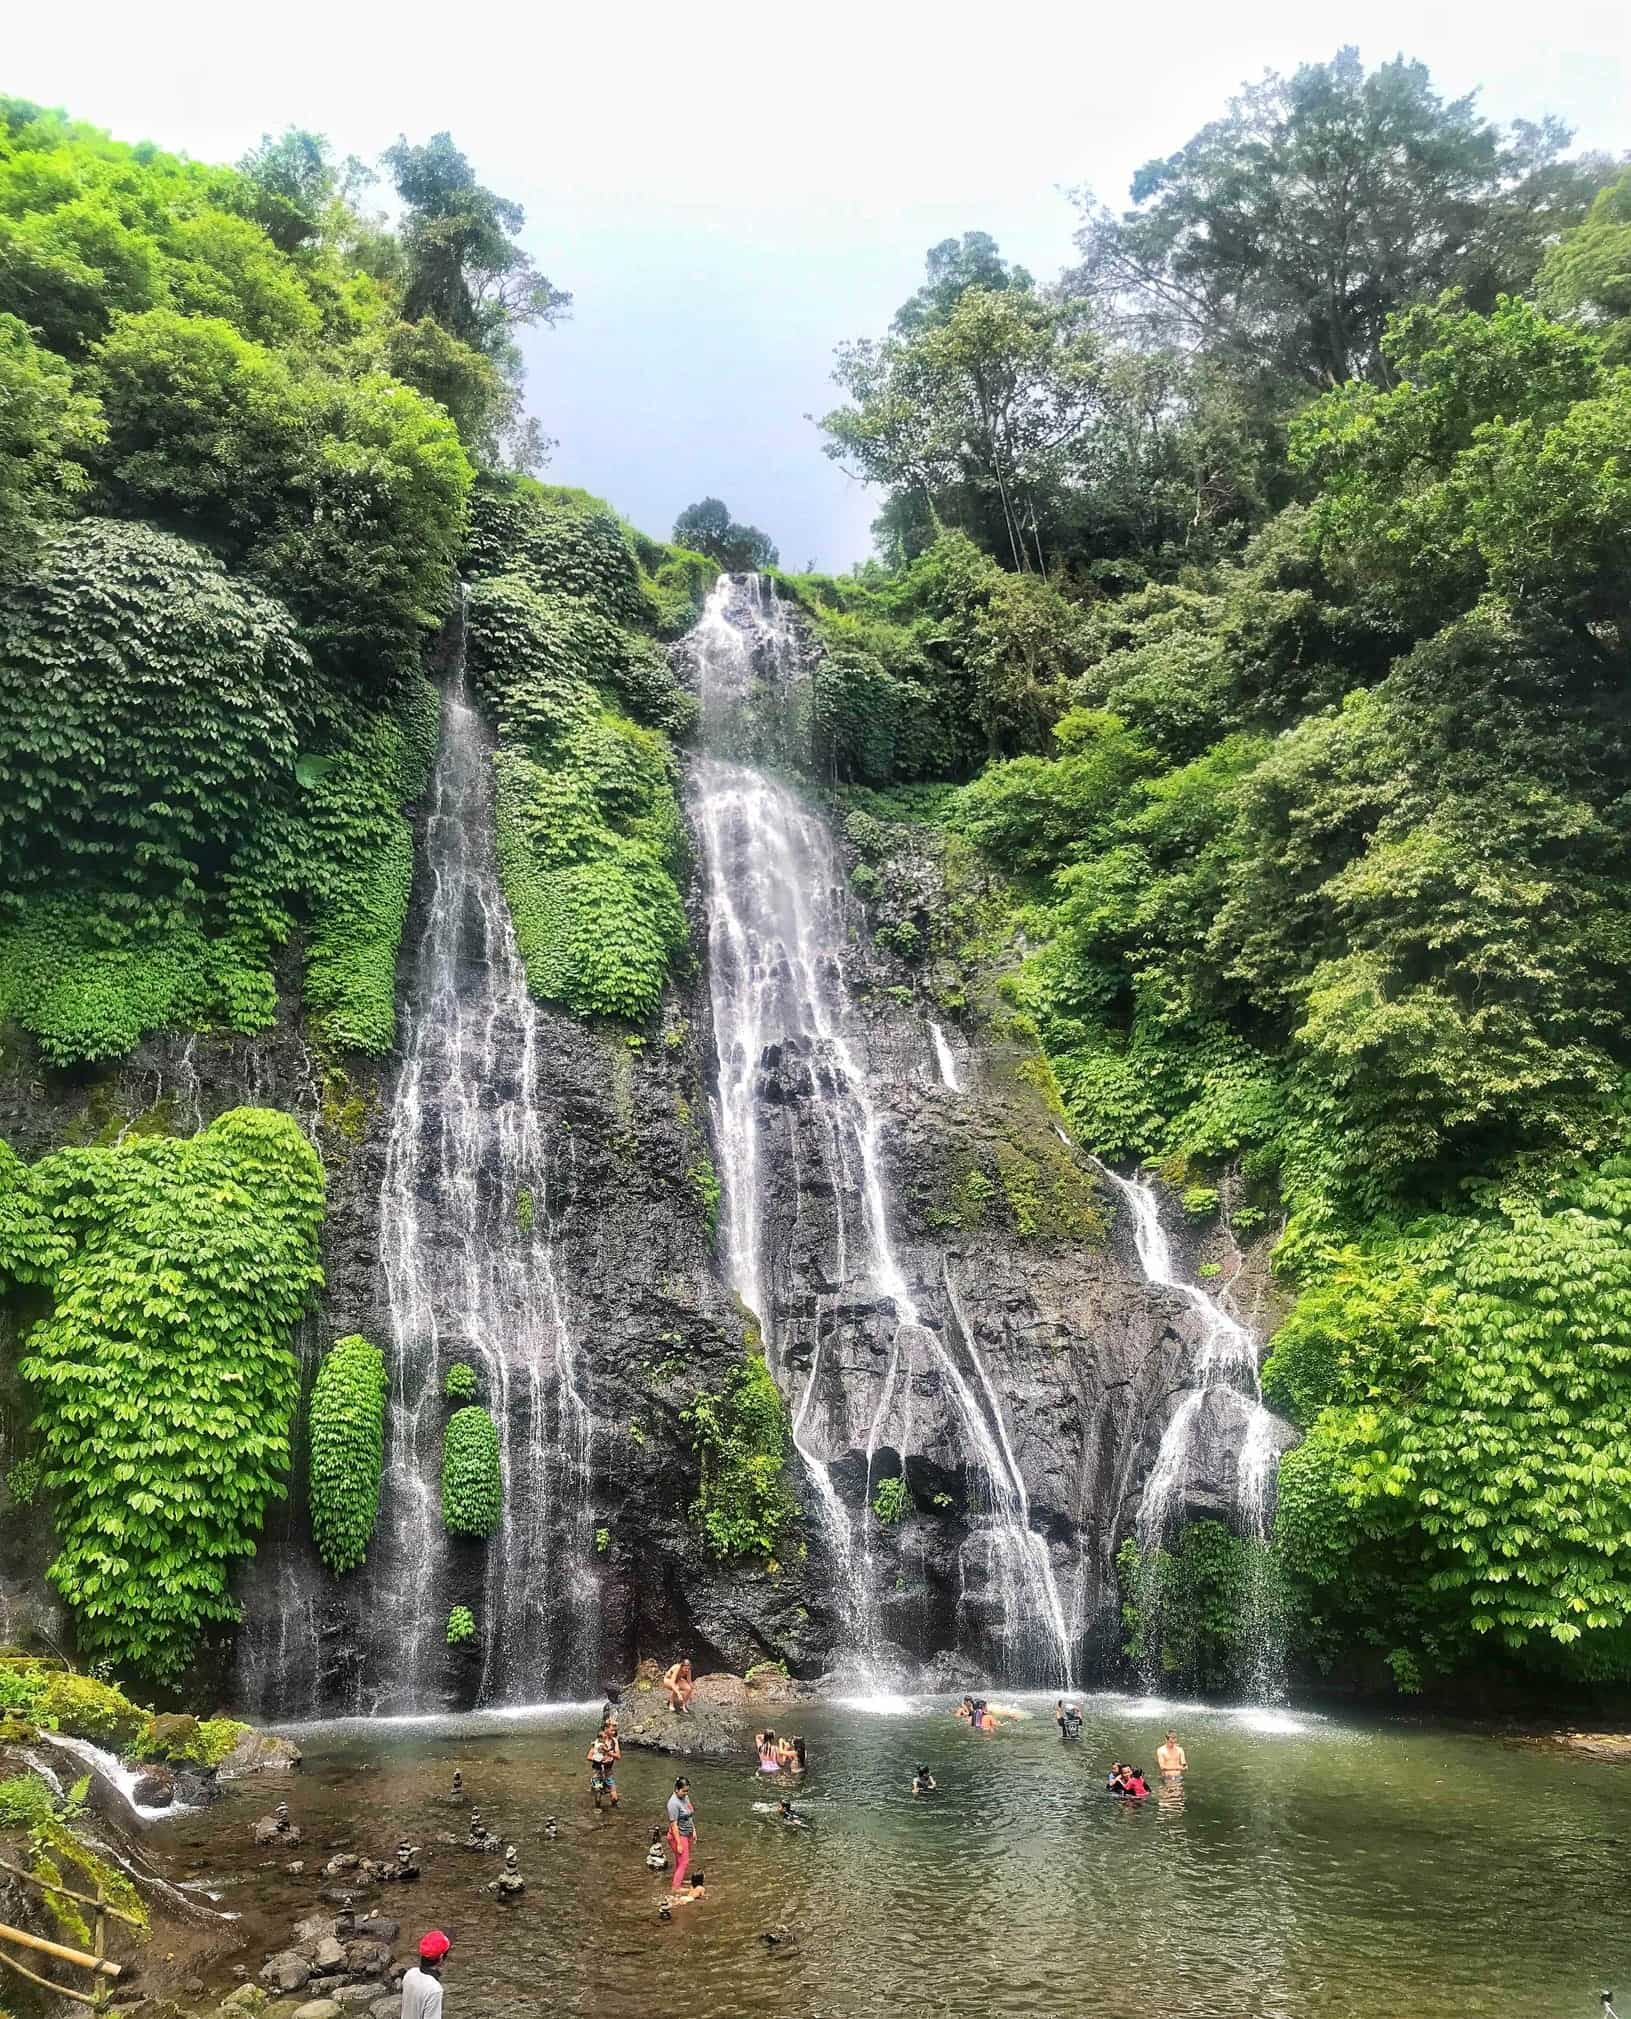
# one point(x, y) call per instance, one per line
point(286, 1971)
point(319, 2008)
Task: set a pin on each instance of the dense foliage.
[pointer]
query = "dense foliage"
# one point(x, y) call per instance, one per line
point(741, 1438)
point(472, 1480)
point(161, 1375)
point(1281, 596)
point(589, 830)
point(268, 403)
point(347, 1451)
point(1201, 1612)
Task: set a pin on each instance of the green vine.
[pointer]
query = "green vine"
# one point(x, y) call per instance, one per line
point(162, 1380)
point(741, 1436)
point(347, 1451)
point(459, 1382)
point(461, 1626)
point(472, 1481)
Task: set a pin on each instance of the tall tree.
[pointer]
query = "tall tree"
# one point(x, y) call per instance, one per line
point(708, 528)
point(951, 268)
point(1586, 276)
point(1283, 235)
point(973, 413)
point(466, 267)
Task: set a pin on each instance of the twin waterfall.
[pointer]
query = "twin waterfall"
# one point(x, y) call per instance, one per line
point(469, 1275)
point(868, 1331)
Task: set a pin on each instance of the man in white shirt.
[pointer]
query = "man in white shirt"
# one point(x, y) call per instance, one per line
point(422, 1986)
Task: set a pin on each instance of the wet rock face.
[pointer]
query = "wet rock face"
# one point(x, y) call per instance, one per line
point(1027, 1286)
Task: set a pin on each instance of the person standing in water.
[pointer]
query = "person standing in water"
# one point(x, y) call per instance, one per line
point(682, 1830)
point(1171, 1757)
point(422, 1986)
point(923, 1782)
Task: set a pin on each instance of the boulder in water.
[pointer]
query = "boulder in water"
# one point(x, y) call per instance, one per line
point(155, 1788)
point(259, 1753)
point(319, 2008)
point(286, 1971)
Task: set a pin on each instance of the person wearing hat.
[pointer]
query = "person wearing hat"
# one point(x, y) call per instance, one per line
point(422, 1986)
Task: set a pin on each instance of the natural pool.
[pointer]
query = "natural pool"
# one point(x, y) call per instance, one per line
point(1310, 1865)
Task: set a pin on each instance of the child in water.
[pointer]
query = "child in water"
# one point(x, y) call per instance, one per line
point(923, 1782)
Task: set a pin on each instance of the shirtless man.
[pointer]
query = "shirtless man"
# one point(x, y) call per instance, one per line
point(1171, 1758)
point(679, 1685)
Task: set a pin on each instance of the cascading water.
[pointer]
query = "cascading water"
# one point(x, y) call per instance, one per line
point(1226, 1382)
point(782, 1008)
point(469, 1273)
point(945, 1064)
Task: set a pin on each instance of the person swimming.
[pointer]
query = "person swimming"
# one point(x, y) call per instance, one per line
point(770, 1758)
point(923, 1782)
point(799, 1763)
point(786, 1813)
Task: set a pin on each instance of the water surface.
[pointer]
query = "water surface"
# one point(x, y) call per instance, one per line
point(1308, 1865)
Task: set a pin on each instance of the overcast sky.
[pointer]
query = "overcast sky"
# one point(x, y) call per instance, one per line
point(729, 192)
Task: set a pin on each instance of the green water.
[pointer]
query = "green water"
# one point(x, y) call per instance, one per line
point(1307, 1866)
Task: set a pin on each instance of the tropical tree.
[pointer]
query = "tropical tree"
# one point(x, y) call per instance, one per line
point(1283, 235)
point(708, 528)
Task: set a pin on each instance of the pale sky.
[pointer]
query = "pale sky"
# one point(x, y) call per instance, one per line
point(731, 191)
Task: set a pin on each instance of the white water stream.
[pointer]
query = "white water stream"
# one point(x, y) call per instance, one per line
point(1226, 1361)
point(469, 1274)
point(777, 929)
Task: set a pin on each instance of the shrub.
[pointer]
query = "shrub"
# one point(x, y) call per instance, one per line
point(25, 1802)
point(347, 1451)
point(461, 1626)
point(460, 1382)
point(741, 1436)
point(472, 1481)
point(87, 1709)
point(200, 1742)
point(161, 1377)
point(891, 1502)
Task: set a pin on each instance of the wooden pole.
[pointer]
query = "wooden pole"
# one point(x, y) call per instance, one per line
point(56, 1990)
point(99, 1964)
point(68, 1893)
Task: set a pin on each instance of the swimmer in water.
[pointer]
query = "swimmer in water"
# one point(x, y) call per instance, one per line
point(923, 1782)
point(770, 1758)
point(799, 1764)
point(1171, 1758)
point(786, 1813)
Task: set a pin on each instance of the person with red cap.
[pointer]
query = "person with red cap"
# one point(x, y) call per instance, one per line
point(422, 1986)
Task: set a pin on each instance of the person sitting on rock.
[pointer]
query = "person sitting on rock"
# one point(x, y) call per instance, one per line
point(679, 1685)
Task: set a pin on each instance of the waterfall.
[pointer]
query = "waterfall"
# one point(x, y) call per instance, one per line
point(1225, 1383)
point(468, 1272)
point(942, 1057)
point(784, 1017)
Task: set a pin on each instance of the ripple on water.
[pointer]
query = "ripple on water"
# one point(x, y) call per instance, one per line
point(1406, 1870)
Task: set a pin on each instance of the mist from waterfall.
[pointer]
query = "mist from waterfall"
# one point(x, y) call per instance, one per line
point(777, 930)
point(469, 1274)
